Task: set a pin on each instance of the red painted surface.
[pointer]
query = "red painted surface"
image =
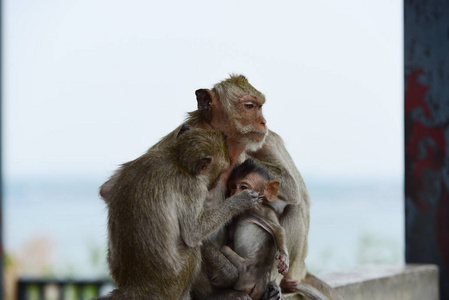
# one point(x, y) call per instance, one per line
point(421, 155)
point(415, 93)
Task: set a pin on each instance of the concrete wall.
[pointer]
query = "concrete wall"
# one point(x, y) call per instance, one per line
point(409, 282)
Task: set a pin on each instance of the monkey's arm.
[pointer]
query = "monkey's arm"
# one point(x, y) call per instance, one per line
point(276, 230)
point(196, 230)
point(274, 157)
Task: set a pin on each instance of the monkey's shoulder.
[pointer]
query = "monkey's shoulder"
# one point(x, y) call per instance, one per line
point(146, 163)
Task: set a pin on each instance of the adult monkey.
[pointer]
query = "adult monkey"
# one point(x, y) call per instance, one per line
point(234, 106)
point(156, 217)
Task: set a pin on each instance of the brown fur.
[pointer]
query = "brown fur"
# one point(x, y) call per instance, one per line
point(273, 156)
point(156, 217)
point(222, 108)
point(256, 236)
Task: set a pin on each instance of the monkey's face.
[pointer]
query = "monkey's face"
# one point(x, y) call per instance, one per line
point(250, 122)
point(243, 121)
point(249, 115)
point(252, 181)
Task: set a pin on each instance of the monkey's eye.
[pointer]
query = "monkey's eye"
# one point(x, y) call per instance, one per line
point(250, 104)
point(242, 186)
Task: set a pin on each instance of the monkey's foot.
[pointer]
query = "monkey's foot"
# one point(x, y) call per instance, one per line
point(283, 262)
point(272, 292)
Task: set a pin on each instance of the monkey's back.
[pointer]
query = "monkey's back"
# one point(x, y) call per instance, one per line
point(145, 245)
point(251, 239)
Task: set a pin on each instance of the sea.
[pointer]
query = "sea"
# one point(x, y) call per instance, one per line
point(57, 226)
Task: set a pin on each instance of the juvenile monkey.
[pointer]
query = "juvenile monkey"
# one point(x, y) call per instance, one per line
point(256, 236)
point(156, 220)
point(250, 236)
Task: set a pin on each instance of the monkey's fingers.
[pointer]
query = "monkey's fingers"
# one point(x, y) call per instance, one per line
point(289, 285)
point(255, 196)
point(280, 256)
point(284, 271)
point(282, 268)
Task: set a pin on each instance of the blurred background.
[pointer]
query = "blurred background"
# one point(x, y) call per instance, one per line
point(89, 85)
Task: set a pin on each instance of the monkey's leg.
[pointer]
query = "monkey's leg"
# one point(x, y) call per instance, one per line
point(295, 223)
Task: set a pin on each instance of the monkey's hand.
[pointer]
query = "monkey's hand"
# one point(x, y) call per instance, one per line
point(244, 200)
point(283, 262)
point(289, 285)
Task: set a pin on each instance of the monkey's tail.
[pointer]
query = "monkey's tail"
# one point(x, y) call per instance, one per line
point(309, 292)
point(321, 287)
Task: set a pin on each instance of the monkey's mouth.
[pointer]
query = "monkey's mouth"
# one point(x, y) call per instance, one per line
point(262, 133)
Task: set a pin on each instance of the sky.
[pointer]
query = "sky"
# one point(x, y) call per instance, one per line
point(89, 85)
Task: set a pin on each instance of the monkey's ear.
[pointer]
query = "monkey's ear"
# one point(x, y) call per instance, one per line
point(202, 165)
point(271, 190)
point(204, 99)
point(183, 129)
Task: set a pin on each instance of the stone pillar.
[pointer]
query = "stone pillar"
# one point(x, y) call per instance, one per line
point(426, 111)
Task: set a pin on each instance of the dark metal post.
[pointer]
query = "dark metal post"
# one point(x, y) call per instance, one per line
point(426, 110)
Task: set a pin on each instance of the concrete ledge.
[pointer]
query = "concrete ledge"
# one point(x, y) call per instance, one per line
point(408, 282)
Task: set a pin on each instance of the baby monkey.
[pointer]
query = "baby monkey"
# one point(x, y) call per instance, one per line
point(256, 237)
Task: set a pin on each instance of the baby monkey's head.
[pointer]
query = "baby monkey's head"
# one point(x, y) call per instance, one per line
point(251, 176)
